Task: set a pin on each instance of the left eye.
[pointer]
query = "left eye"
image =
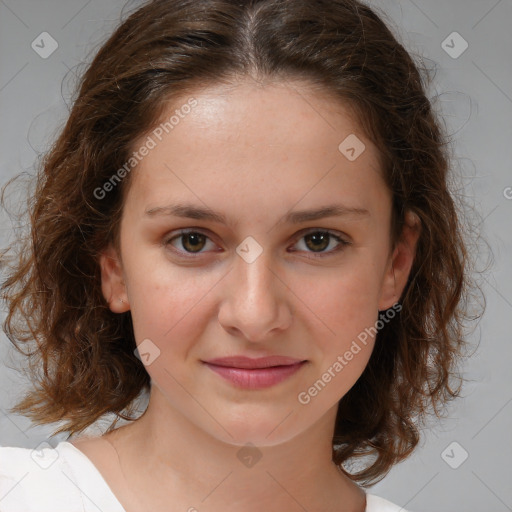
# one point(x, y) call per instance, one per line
point(315, 241)
point(319, 241)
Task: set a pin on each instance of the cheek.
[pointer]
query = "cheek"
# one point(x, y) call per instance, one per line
point(166, 302)
point(344, 314)
point(344, 303)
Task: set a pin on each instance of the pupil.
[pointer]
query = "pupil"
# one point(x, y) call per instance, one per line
point(319, 237)
point(196, 239)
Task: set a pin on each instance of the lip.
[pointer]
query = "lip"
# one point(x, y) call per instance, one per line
point(247, 373)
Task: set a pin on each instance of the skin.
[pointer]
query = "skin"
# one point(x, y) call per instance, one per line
point(254, 154)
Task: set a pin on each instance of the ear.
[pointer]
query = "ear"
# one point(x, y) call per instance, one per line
point(400, 263)
point(112, 281)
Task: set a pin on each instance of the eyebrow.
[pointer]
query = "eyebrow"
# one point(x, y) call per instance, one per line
point(295, 217)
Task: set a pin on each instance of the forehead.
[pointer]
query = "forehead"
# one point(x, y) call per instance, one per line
point(250, 113)
point(279, 140)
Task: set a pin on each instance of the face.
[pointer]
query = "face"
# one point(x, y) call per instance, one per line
point(266, 273)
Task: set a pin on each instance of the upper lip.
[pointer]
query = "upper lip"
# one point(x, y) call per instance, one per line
point(247, 362)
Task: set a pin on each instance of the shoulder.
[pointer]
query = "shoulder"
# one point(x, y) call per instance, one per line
point(377, 504)
point(16, 462)
point(25, 474)
point(47, 479)
point(29, 479)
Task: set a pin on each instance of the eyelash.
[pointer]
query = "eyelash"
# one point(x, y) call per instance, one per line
point(337, 238)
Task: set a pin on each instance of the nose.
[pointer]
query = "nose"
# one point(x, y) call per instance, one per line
point(257, 302)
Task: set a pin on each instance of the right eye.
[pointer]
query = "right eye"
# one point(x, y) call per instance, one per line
point(191, 242)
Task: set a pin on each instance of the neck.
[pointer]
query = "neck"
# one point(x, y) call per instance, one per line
point(195, 471)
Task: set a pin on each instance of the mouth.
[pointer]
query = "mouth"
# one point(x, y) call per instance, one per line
point(247, 373)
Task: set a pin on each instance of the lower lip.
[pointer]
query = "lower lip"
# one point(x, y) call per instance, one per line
point(256, 378)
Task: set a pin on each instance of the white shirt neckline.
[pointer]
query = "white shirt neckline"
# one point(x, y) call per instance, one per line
point(103, 490)
point(95, 479)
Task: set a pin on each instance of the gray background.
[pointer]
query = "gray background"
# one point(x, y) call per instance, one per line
point(474, 92)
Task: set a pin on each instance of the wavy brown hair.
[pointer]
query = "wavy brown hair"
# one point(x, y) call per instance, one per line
point(161, 51)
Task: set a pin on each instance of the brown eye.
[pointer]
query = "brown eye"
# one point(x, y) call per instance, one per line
point(193, 242)
point(190, 242)
point(317, 241)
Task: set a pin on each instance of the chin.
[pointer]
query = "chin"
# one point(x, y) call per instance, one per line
point(270, 431)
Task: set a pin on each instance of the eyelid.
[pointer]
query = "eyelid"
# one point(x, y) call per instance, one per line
point(184, 231)
point(337, 234)
point(342, 239)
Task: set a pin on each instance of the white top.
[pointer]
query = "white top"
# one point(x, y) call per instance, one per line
point(63, 479)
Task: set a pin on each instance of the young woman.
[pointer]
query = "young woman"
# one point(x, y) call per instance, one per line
point(247, 217)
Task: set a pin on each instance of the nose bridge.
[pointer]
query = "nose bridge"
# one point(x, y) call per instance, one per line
point(256, 305)
point(254, 285)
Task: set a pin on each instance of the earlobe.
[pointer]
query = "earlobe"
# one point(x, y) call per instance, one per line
point(401, 262)
point(112, 281)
